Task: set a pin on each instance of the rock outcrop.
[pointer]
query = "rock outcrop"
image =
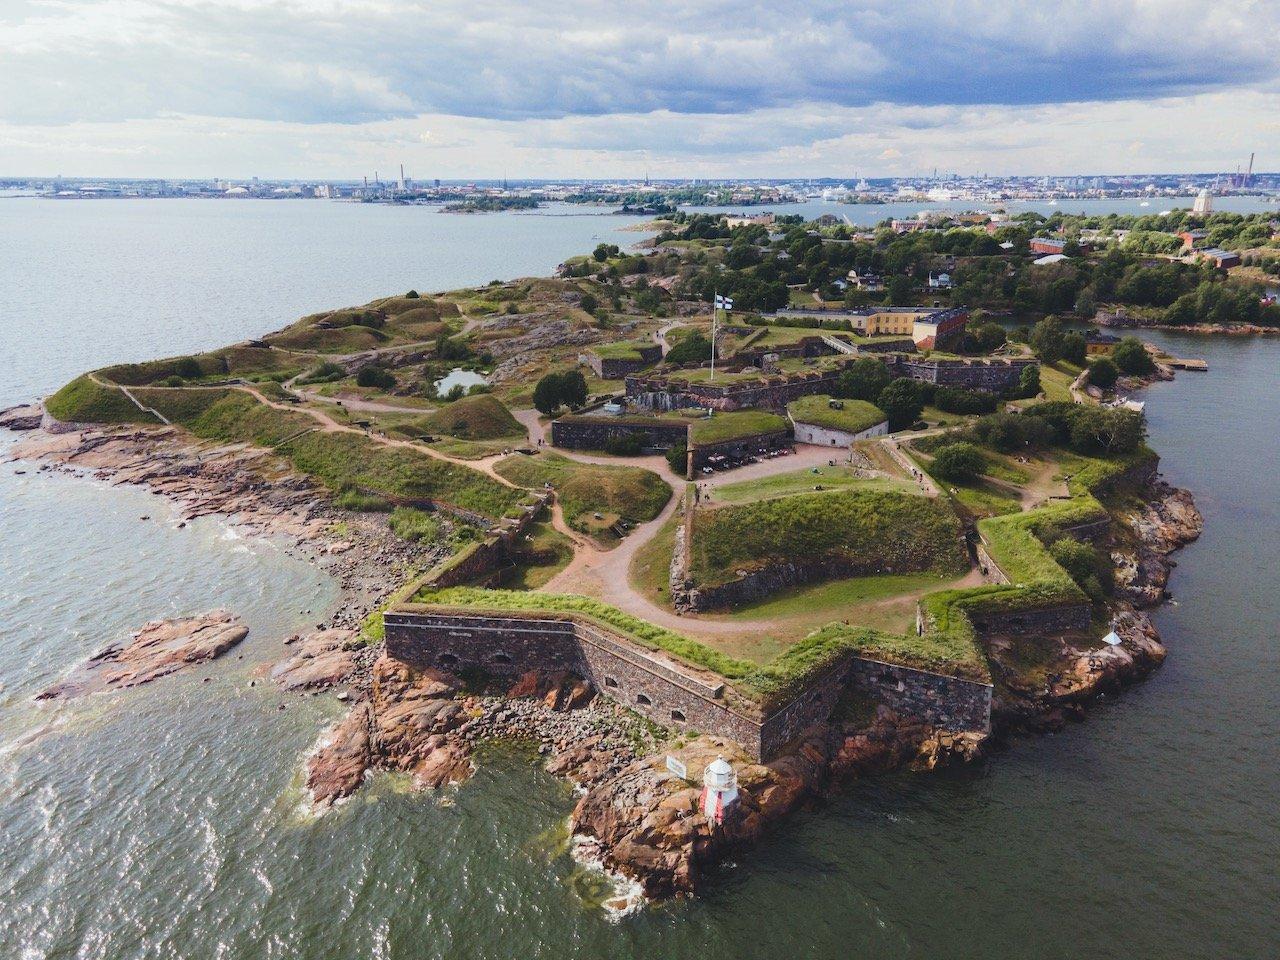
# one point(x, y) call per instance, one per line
point(22, 418)
point(160, 648)
point(321, 659)
point(1168, 520)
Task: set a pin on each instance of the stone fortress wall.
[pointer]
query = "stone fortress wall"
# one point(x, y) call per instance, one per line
point(671, 694)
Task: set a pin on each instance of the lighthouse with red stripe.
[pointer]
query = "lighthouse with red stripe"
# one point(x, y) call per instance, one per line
point(719, 789)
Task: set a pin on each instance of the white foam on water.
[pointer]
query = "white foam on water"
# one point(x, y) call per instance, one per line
point(628, 895)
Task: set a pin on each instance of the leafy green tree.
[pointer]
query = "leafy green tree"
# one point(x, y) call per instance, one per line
point(589, 303)
point(989, 337)
point(1103, 373)
point(604, 251)
point(898, 290)
point(1074, 348)
point(560, 389)
point(1046, 339)
point(959, 462)
point(901, 403)
point(678, 459)
point(1131, 357)
point(863, 379)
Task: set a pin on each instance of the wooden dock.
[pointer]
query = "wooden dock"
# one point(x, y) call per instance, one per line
point(1182, 363)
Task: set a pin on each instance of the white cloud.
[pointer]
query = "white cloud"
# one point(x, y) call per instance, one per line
point(462, 87)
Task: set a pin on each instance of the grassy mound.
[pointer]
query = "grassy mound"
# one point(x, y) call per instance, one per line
point(240, 361)
point(584, 489)
point(83, 401)
point(482, 417)
point(853, 416)
point(855, 531)
point(739, 424)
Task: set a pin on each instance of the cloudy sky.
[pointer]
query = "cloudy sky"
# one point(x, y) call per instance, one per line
point(536, 88)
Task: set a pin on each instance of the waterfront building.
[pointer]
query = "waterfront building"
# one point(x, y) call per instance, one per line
point(719, 790)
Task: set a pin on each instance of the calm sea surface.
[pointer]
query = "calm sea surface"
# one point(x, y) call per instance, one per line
point(168, 822)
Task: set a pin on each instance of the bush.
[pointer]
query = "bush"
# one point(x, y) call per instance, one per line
point(678, 459)
point(1103, 373)
point(1028, 382)
point(626, 444)
point(959, 462)
point(1088, 566)
point(449, 348)
point(694, 348)
point(560, 389)
point(959, 400)
point(1073, 348)
point(1131, 357)
point(188, 368)
point(416, 525)
point(589, 303)
point(375, 376)
point(327, 372)
point(411, 295)
point(989, 337)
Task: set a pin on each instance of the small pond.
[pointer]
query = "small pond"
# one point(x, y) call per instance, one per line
point(459, 377)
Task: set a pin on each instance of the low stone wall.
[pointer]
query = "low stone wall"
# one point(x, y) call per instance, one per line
point(1052, 619)
point(615, 368)
point(670, 694)
point(991, 374)
point(594, 433)
point(774, 393)
point(701, 455)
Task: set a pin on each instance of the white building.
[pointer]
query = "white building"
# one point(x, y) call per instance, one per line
point(1204, 202)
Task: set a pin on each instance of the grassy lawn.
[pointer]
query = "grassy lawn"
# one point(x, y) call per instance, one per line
point(1055, 379)
point(587, 490)
point(83, 401)
point(882, 602)
point(480, 417)
point(803, 481)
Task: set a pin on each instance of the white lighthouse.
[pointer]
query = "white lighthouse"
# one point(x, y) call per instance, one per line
point(719, 789)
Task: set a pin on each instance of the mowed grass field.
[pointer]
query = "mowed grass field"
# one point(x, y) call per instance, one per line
point(804, 481)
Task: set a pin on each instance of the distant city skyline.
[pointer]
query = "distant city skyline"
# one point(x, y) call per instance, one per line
point(331, 89)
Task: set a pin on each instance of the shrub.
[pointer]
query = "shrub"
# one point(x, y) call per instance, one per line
point(959, 462)
point(989, 337)
point(589, 303)
point(1088, 566)
point(411, 295)
point(694, 348)
point(188, 368)
point(1029, 382)
point(678, 459)
point(450, 348)
point(626, 444)
point(456, 392)
point(327, 372)
point(959, 400)
point(416, 525)
point(375, 376)
point(1103, 373)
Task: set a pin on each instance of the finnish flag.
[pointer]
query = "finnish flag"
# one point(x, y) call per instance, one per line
point(723, 303)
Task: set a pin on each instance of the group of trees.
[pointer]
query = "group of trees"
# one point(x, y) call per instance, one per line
point(695, 348)
point(556, 390)
point(1058, 423)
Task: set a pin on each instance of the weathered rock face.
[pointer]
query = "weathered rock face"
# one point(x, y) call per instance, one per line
point(160, 648)
point(413, 712)
point(338, 766)
point(22, 418)
point(1169, 520)
point(317, 660)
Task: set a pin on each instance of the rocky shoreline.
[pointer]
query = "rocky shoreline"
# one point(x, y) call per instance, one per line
point(633, 816)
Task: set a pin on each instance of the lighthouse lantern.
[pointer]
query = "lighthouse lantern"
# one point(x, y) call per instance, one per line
point(719, 789)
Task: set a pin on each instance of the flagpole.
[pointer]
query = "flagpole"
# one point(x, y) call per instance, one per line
point(715, 310)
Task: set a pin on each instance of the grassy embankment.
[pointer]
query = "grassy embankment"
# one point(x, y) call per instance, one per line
point(804, 481)
point(346, 463)
point(853, 532)
point(475, 426)
point(594, 497)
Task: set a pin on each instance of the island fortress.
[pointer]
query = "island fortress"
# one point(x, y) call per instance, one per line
point(506, 644)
